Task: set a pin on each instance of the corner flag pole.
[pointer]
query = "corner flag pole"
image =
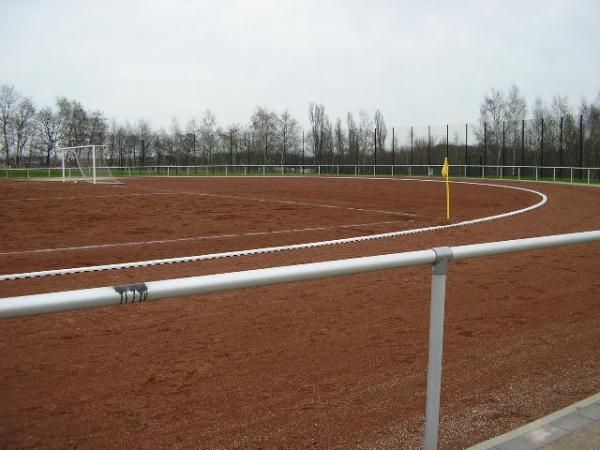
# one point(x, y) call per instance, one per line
point(446, 174)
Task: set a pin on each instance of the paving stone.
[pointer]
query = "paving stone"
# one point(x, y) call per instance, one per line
point(591, 412)
point(571, 422)
point(534, 439)
point(586, 438)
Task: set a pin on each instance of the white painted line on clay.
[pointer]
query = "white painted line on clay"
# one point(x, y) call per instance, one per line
point(193, 238)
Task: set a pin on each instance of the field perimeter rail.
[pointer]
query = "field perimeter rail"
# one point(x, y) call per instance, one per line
point(308, 245)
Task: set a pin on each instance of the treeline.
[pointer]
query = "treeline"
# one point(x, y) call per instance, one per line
point(507, 133)
point(551, 134)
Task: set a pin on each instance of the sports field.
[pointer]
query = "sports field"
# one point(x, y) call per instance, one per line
point(335, 363)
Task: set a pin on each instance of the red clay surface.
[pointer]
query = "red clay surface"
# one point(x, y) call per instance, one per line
point(337, 363)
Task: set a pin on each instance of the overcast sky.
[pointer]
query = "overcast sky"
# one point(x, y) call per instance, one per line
point(421, 62)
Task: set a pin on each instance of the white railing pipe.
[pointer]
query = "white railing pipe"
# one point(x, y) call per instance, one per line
point(519, 245)
point(155, 290)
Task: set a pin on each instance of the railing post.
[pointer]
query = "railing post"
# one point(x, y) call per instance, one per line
point(436, 344)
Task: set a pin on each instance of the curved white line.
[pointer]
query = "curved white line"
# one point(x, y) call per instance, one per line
point(258, 251)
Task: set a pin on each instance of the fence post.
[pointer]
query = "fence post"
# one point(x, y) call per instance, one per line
point(447, 150)
point(466, 147)
point(523, 142)
point(503, 143)
point(428, 145)
point(542, 150)
point(412, 135)
point(393, 150)
point(561, 148)
point(581, 143)
point(374, 150)
point(484, 145)
point(436, 344)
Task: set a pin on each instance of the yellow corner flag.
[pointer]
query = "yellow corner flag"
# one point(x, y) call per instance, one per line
point(446, 174)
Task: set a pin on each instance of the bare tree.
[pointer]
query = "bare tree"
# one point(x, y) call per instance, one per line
point(502, 115)
point(75, 122)
point(145, 136)
point(23, 126)
point(339, 141)
point(96, 128)
point(208, 135)
point(289, 133)
point(318, 119)
point(365, 134)
point(49, 126)
point(264, 124)
point(381, 130)
point(353, 138)
point(8, 101)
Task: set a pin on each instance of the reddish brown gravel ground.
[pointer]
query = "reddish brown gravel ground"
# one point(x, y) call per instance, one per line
point(337, 363)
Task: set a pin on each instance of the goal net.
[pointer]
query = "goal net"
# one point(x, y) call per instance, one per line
point(86, 163)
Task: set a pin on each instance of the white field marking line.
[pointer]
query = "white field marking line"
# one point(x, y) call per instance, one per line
point(292, 202)
point(258, 251)
point(231, 197)
point(75, 197)
point(193, 238)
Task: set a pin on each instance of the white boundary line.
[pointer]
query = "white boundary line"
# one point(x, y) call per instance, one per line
point(76, 197)
point(292, 202)
point(186, 259)
point(229, 197)
point(194, 238)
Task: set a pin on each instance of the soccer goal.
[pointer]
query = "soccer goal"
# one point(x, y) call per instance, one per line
point(88, 163)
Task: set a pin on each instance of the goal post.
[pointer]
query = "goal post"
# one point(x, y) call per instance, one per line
point(89, 161)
